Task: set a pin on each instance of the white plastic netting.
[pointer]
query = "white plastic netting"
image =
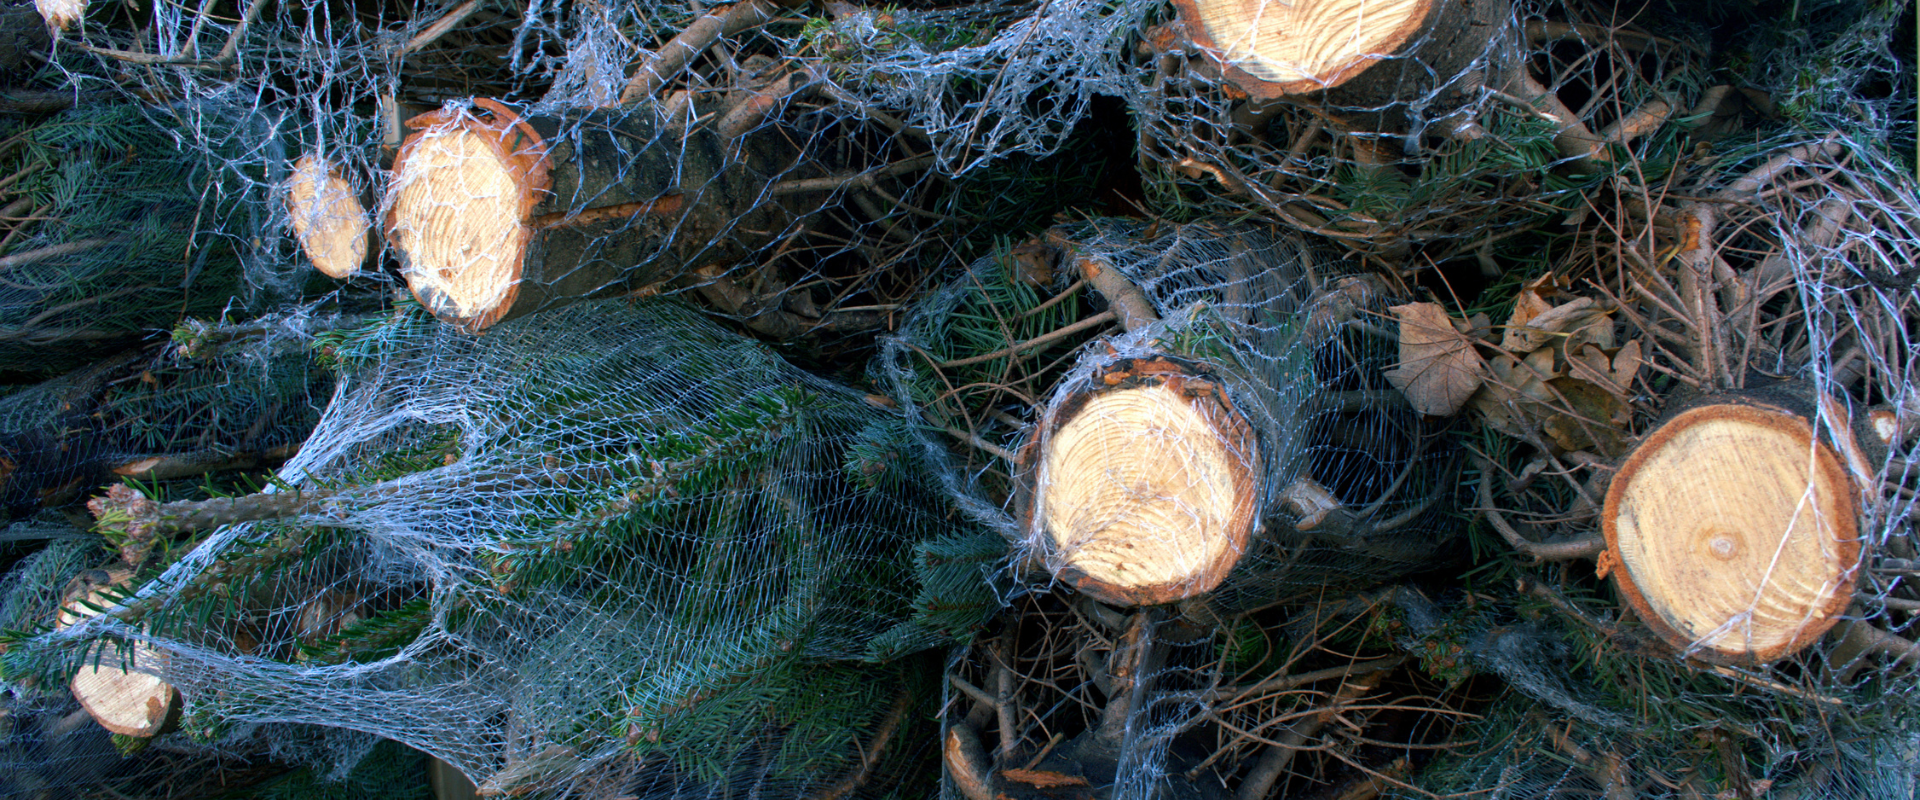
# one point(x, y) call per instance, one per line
point(1353, 485)
point(767, 194)
point(219, 397)
point(1295, 335)
point(607, 549)
point(795, 155)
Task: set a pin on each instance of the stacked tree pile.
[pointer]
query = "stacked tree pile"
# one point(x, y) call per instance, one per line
point(1256, 399)
point(103, 247)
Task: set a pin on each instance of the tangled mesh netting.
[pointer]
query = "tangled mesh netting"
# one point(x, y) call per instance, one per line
point(1446, 149)
point(700, 167)
point(1353, 492)
point(464, 565)
point(223, 397)
point(605, 549)
point(1796, 250)
point(1294, 334)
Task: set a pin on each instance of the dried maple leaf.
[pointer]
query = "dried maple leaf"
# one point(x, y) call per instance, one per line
point(1438, 368)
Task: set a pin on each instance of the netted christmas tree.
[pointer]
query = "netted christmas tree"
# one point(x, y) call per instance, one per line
point(214, 398)
point(608, 548)
point(573, 153)
point(1268, 351)
point(105, 239)
point(1232, 456)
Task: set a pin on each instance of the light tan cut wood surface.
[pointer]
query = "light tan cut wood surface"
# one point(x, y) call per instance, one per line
point(61, 14)
point(1144, 496)
point(457, 212)
point(111, 687)
point(327, 217)
point(1308, 45)
point(1733, 529)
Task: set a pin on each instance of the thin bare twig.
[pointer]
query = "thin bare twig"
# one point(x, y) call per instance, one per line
point(1090, 323)
point(866, 179)
point(672, 58)
point(1588, 547)
point(440, 27)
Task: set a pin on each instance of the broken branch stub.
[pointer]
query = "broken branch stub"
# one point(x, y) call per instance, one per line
point(1732, 530)
point(1145, 483)
point(496, 214)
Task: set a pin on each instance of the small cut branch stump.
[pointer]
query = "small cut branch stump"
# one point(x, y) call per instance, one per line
point(1732, 530)
point(328, 218)
point(496, 213)
point(1145, 485)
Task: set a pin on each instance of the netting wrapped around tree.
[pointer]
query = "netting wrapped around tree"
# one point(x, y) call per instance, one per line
point(1694, 435)
point(577, 152)
point(214, 398)
point(1180, 488)
point(1384, 127)
point(604, 549)
point(1237, 447)
point(1447, 127)
point(106, 242)
point(1248, 386)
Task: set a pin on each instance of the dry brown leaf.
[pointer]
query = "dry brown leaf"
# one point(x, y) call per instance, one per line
point(1339, 302)
point(1527, 377)
point(1595, 328)
point(1516, 392)
point(1499, 409)
point(1590, 363)
point(1438, 368)
point(1594, 419)
point(1613, 371)
point(1033, 262)
point(1626, 365)
point(1552, 324)
point(1531, 302)
point(1479, 327)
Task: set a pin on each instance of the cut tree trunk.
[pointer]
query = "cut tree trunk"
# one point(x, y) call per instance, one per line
point(1146, 487)
point(1361, 54)
point(328, 218)
point(109, 685)
point(495, 214)
point(1373, 67)
point(61, 14)
point(1732, 530)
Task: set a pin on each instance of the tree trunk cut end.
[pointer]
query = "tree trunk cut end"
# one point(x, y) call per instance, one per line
point(462, 198)
point(1272, 49)
point(1732, 531)
point(110, 685)
point(1146, 485)
point(328, 218)
point(61, 14)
